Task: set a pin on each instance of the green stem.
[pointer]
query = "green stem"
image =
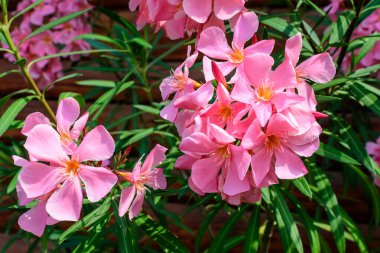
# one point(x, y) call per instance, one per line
point(268, 232)
point(24, 70)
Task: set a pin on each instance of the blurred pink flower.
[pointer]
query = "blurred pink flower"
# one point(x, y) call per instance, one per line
point(373, 149)
point(142, 176)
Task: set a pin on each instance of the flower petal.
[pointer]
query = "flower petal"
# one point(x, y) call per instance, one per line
point(126, 198)
point(34, 220)
point(38, 179)
point(261, 162)
point(44, 144)
point(226, 9)
point(257, 68)
point(67, 112)
point(204, 173)
point(245, 28)
point(193, 10)
point(97, 145)
point(288, 165)
point(136, 206)
point(213, 43)
point(65, 204)
point(319, 68)
point(98, 181)
point(32, 120)
point(154, 158)
point(293, 49)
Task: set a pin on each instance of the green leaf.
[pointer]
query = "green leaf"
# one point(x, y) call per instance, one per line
point(125, 239)
point(78, 97)
point(365, 97)
point(303, 186)
point(334, 154)
point(163, 237)
point(366, 71)
point(88, 220)
point(317, 87)
point(339, 28)
point(356, 145)
point(142, 133)
point(97, 83)
point(147, 109)
point(218, 242)
point(4, 74)
point(290, 236)
point(372, 6)
point(6, 98)
point(11, 112)
point(251, 240)
point(94, 36)
point(329, 201)
point(53, 24)
point(206, 223)
point(125, 23)
point(12, 184)
point(311, 230)
point(278, 24)
point(367, 47)
point(324, 99)
point(354, 231)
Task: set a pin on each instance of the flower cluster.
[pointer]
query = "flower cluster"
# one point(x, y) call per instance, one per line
point(180, 17)
point(373, 149)
point(64, 159)
point(368, 27)
point(243, 134)
point(60, 39)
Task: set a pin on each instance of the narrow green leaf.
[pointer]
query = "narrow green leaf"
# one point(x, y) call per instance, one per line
point(6, 98)
point(53, 24)
point(147, 109)
point(340, 27)
point(94, 36)
point(366, 71)
point(97, 83)
point(162, 236)
point(278, 24)
point(251, 240)
point(311, 230)
point(330, 203)
point(4, 74)
point(88, 220)
point(334, 154)
point(217, 244)
point(11, 112)
point(290, 236)
point(372, 6)
point(355, 144)
point(125, 238)
point(141, 42)
point(206, 223)
point(354, 231)
point(12, 184)
point(318, 87)
point(303, 186)
point(365, 97)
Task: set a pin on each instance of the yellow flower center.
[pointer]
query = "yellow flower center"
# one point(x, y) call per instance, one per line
point(72, 167)
point(65, 138)
point(264, 92)
point(272, 142)
point(223, 153)
point(225, 112)
point(237, 56)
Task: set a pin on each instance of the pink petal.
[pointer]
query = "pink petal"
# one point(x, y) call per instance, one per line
point(67, 112)
point(371, 148)
point(21, 195)
point(261, 162)
point(185, 162)
point(213, 43)
point(254, 138)
point(193, 10)
point(44, 144)
point(263, 112)
point(278, 124)
point(65, 204)
point(233, 185)
point(169, 112)
point(98, 181)
point(126, 198)
point(38, 179)
point(284, 100)
point(34, 220)
point(159, 180)
point(319, 68)
point(288, 165)
point(32, 120)
point(97, 145)
point(240, 159)
point(284, 76)
point(225, 67)
point(226, 9)
point(257, 68)
point(154, 158)
point(19, 161)
point(197, 144)
point(204, 173)
point(196, 99)
point(79, 125)
point(242, 92)
point(136, 206)
point(305, 150)
point(245, 28)
point(263, 46)
point(220, 135)
point(293, 48)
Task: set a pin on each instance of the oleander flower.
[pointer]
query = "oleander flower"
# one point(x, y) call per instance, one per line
point(143, 176)
point(60, 174)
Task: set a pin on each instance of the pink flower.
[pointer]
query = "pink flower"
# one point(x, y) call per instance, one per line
point(265, 91)
point(215, 151)
point(36, 219)
point(213, 43)
point(144, 175)
point(373, 149)
point(69, 124)
point(62, 175)
point(275, 150)
point(223, 9)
